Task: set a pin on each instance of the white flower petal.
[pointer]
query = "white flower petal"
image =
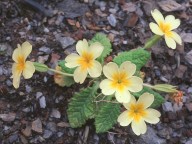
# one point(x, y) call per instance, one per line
point(28, 70)
point(172, 21)
point(110, 69)
point(82, 46)
point(17, 53)
point(106, 88)
point(152, 116)
point(16, 76)
point(176, 37)
point(170, 42)
point(124, 119)
point(139, 127)
point(72, 60)
point(97, 49)
point(80, 75)
point(95, 70)
point(136, 84)
point(123, 96)
point(146, 99)
point(158, 17)
point(132, 101)
point(128, 67)
point(26, 49)
point(155, 29)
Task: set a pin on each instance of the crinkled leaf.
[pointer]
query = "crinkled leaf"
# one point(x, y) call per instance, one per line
point(107, 117)
point(81, 107)
point(137, 56)
point(66, 69)
point(101, 38)
point(158, 98)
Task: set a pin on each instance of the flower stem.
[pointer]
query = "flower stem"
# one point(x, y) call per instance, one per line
point(152, 41)
point(106, 101)
point(60, 72)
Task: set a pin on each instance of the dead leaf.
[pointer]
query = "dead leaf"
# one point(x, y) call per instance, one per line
point(54, 58)
point(170, 5)
point(132, 20)
point(129, 7)
point(186, 37)
point(63, 124)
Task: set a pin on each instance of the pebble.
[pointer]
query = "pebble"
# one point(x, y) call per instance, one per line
point(189, 106)
point(65, 41)
point(28, 88)
point(47, 134)
point(13, 138)
point(60, 134)
point(177, 124)
point(51, 126)
point(38, 95)
point(189, 90)
point(42, 102)
point(55, 113)
point(167, 106)
point(43, 59)
point(188, 57)
point(112, 20)
point(46, 30)
point(37, 125)
point(45, 49)
point(102, 5)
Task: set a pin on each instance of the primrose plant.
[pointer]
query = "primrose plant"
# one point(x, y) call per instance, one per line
point(113, 86)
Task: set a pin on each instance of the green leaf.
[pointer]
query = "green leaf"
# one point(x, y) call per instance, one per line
point(68, 81)
point(107, 117)
point(158, 98)
point(138, 56)
point(101, 38)
point(81, 107)
point(40, 67)
point(66, 69)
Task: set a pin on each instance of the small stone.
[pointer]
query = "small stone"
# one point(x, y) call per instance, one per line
point(28, 88)
point(172, 116)
point(27, 131)
point(46, 30)
point(47, 134)
point(189, 90)
point(189, 141)
point(38, 95)
point(112, 20)
point(51, 126)
point(180, 71)
point(188, 57)
point(65, 41)
point(8, 117)
point(59, 134)
point(178, 124)
point(43, 59)
point(189, 106)
point(45, 50)
point(42, 102)
point(167, 106)
point(13, 138)
point(55, 113)
point(37, 126)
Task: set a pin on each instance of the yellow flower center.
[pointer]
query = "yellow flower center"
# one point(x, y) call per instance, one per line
point(166, 28)
point(137, 111)
point(21, 63)
point(120, 81)
point(86, 60)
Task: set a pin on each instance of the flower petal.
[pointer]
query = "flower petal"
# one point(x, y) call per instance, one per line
point(152, 116)
point(97, 49)
point(128, 67)
point(158, 17)
point(136, 84)
point(80, 75)
point(123, 96)
point(155, 29)
point(124, 119)
point(132, 101)
point(139, 127)
point(16, 76)
point(176, 37)
point(170, 42)
point(172, 21)
point(95, 70)
point(106, 88)
point(26, 49)
point(110, 69)
point(72, 60)
point(82, 46)
point(17, 53)
point(28, 70)
point(146, 99)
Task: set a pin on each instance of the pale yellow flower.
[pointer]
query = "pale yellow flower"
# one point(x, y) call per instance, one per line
point(85, 60)
point(120, 80)
point(138, 113)
point(21, 66)
point(164, 28)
